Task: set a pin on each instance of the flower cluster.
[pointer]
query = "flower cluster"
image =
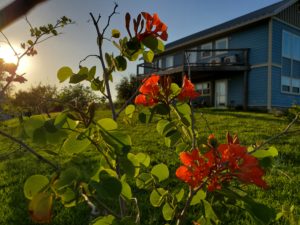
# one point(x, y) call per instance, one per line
point(153, 26)
point(220, 164)
point(151, 92)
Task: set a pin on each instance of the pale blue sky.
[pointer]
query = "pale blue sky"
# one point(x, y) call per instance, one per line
point(183, 18)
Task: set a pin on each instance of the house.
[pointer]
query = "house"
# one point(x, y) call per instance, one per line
point(252, 61)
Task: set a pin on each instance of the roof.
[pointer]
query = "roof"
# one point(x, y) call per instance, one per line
point(247, 19)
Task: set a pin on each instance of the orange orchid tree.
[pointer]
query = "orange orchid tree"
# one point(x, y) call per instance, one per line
point(211, 170)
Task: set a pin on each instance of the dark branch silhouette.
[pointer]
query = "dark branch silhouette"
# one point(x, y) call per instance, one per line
point(15, 10)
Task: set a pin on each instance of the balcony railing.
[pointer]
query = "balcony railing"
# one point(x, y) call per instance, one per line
point(201, 60)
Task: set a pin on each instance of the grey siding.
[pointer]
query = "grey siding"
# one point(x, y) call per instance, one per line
point(258, 80)
point(291, 15)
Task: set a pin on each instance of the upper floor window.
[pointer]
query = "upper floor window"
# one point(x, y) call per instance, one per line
point(290, 45)
point(193, 55)
point(206, 54)
point(169, 61)
point(159, 64)
point(221, 44)
point(290, 85)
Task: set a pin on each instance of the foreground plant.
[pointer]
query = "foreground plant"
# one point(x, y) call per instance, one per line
point(213, 173)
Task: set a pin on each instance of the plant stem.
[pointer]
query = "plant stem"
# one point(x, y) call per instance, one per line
point(29, 150)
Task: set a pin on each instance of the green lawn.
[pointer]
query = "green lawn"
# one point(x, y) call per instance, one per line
point(284, 177)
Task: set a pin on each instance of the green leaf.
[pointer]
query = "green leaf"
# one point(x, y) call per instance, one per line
point(126, 190)
point(76, 78)
point(209, 215)
point(157, 196)
point(129, 109)
point(173, 138)
point(144, 181)
point(33, 123)
point(91, 73)
point(64, 73)
point(60, 119)
point(175, 89)
point(270, 152)
point(39, 136)
point(183, 108)
point(118, 140)
point(143, 159)
point(68, 198)
point(161, 109)
point(73, 145)
point(161, 126)
point(151, 42)
point(168, 211)
point(148, 56)
point(105, 220)
point(109, 187)
point(120, 63)
point(160, 46)
point(130, 165)
point(115, 33)
point(109, 60)
point(66, 178)
point(160, 171)
point(200, 195)
point(40, 207)
point(35, 184)
point(108, 124)
point(179, 195)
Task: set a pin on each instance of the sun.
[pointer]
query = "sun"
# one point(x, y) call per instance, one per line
point(7, 54)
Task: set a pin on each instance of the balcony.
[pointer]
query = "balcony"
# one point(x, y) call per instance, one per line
point(208, 60)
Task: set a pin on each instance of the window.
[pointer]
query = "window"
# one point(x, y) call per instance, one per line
point(203, 88)
point(192, 55)
point(206, 54)
point(160, 64)
point(169, 61)
point(290, 46)
point(222, 44)
point(290, 85)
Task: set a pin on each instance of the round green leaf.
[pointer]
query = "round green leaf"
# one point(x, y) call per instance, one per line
point(33, 123)
point(143, 159)
point(68, 198)
point(76, 78)
point(126, 190)
point(144, 181)
point(157, 197)
point(161, 125)
point(183, 108)
point(200, 195)
point(91, 73)
point(160, 171)
point(66, 178)
point(108, 124)
point(105, 220)
point(168, 211)
point(129, 109)
point(175, 89)
point(130, 165)
point(148, 56)
point(34, 185)
point(121, 63)
point(179, 195)
point(108, 187)
point(73, 145)
point(64, 73)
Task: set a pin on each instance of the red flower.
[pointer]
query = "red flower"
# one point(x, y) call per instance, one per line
point(220, 164)
point(187, 90)
point(149, 91)
point(193, 170)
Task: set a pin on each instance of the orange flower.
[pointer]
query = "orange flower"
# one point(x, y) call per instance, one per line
point(187, 90)
point(149, 91)
point(220, 164)
point(160, 29)
point(193, 170)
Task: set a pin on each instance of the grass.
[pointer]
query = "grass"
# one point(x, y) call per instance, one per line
point(283, 178)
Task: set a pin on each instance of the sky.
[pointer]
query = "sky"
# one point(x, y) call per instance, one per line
point(183, 17)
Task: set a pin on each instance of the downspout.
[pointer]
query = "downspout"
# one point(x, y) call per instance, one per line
point(270, 45)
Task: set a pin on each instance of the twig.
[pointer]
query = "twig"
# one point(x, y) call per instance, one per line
point(85, 58)
point(109, 18)
point(94, 211)
point(279, 134)
point(25, 146)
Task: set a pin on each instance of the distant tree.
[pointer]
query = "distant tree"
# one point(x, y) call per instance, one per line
point(79, 96)
point(126, 88)
point(37, 100)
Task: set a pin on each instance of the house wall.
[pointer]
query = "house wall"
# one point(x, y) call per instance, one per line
point(257, 89)
point(281, 66)
point(235, 90)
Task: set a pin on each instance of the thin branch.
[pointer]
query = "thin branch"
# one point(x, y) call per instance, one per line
point(98, 19)
point(85, 58)
point(95, 211)
point(28, 22)
point(279, 134)
point(29, 149)
point(10, 45)
point(109, 18)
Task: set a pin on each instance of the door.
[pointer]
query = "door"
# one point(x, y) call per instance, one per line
point(221, 93)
